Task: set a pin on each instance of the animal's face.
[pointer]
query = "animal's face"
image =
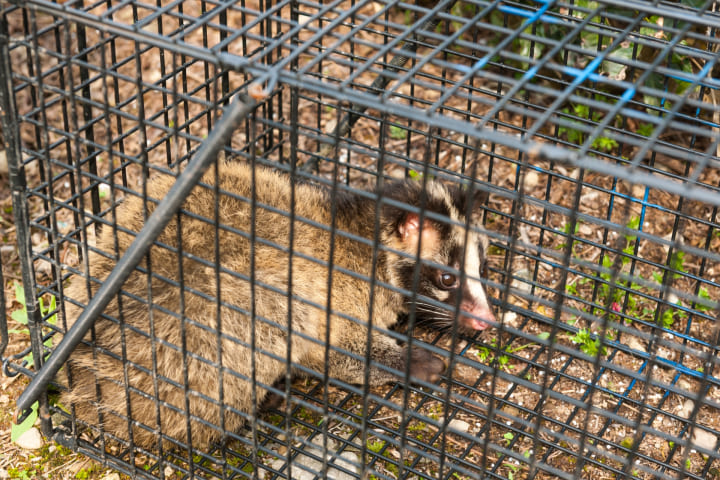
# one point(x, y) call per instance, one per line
point(452, 257)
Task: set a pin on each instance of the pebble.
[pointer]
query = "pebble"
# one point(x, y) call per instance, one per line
point(346, 460)
point(704, 439)
point(459, 425)
point(686, 409)
point(532, 178)
point(30, 440)
point(635, 344)
point(112, 476)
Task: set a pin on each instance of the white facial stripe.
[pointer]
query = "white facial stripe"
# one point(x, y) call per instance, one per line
point(472, 271)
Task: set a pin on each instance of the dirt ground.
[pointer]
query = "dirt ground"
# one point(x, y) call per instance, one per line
point(536, 276)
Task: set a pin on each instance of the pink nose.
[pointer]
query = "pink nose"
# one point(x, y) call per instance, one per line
point(480, 316)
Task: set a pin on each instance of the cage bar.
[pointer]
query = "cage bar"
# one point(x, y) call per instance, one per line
point(592, 126)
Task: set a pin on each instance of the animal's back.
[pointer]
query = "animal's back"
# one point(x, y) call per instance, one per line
point(153, 327)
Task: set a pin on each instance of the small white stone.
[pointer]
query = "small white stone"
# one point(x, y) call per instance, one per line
point(30, 440)
point(686, 409)
point(112, 476)
point(4, 474)
point(459, 425)
point(532, 178)
point(168, 471)
point(704, 439)
point(510, 318)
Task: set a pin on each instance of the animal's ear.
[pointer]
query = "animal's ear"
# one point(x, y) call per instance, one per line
point(409, 227)
point(476, 199)
point(410, 233)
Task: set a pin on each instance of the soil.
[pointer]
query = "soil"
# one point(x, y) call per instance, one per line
point(517, 357)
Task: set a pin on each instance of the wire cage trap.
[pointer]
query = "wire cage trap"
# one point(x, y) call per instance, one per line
point(592, 126)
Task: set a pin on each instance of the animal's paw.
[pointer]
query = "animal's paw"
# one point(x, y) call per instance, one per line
point(425, 366)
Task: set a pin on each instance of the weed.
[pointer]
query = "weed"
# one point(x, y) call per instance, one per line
point(589, 343)
point(619, 294)
point(16, 430)
point(22, 473)
point(418, 427)
point(487, 355)
point(676, 264)
point(604, 144)
point(566, 230)
point(706, 305)
point(513, 469)
point(645, 129)
point(627, 443)
point(85, 473)
point(398, 133)
point(375, 445)
point(21, 317)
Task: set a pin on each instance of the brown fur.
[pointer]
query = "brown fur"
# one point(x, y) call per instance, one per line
point(157, 399)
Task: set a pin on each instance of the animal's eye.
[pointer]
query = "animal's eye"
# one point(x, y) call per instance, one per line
point(448, 280)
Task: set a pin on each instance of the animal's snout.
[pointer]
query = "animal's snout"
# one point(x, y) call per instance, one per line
point(475, 316)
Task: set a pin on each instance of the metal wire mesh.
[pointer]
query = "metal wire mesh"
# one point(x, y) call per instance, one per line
point(594, 126)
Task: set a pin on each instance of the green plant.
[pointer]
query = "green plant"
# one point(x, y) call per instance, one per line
point(85, 473)
point(16, 430)
point(705, 304)
point(627, 443)
point(398, 133)
point(375, 445)
point(622, 295)
point(21, 316)
point(486, 354)
point(645, 129)
point(566, 230)
point(604, 144)
point(418, 427)
point(589, 343)
point(513, 470)
point(677, 261)
point(22, 473)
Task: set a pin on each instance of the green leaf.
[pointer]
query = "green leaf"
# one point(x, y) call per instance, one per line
point(398, 133)
point(645, 129)
point(20, 316)
point(604, 144)
point(676, 263)
point(634, 223)
point(20, 293)
point(17, 430)
point(705, 305)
